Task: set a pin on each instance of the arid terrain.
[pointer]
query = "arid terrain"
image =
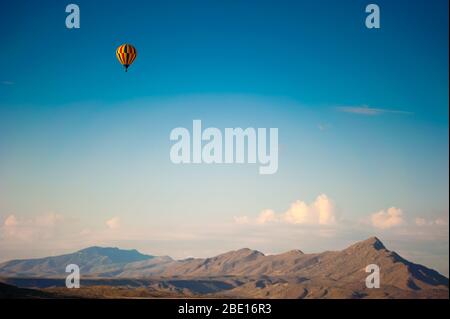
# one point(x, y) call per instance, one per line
point(245, 273)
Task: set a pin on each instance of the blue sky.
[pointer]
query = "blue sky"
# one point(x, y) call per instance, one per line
point(85, 141)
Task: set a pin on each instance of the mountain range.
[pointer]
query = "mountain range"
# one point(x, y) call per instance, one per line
point(113, 272)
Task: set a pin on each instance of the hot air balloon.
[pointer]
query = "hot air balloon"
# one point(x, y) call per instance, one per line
point(126, 54)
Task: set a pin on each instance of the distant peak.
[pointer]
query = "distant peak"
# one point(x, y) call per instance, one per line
point(243, 252)
point(248, 251)
point(98, 249)
point(372, 243)
point(115, 254)
point(295, 252)
point(292, 253)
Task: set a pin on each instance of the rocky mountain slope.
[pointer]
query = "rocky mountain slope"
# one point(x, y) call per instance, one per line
point(250, 273)
point(90, 260)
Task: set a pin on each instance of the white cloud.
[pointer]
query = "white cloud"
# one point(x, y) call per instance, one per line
point(319, 212)
point(266, 216)
point(241, 220)
point(113, 223)
point(7, 82)
point(421, 222)
point(366, 110)
point(387, 219)
point(298, 213)
point(11, 221)
point(441, 222)
point(324, 207)
point(40, 226)
point(48, 220)
point(424, 222)
point(323, 127)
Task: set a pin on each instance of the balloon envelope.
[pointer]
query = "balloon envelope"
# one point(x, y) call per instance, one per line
point(126, 54)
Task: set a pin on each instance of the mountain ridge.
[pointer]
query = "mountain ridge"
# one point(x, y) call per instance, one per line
point(293, 273)
point(90, 259)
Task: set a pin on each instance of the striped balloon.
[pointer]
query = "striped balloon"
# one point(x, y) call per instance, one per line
point(126, 54)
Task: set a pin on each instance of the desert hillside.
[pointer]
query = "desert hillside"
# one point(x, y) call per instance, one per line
point(241, 273)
